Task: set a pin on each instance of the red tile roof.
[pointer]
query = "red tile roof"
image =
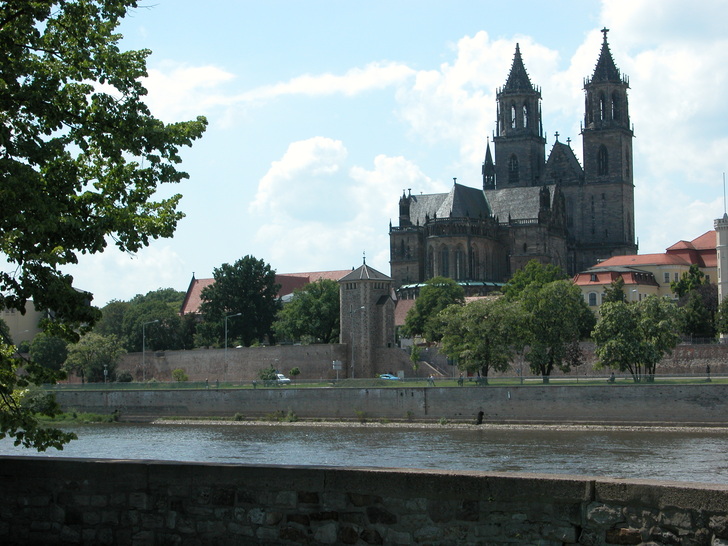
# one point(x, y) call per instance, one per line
point(288, 281)
point(643, 259)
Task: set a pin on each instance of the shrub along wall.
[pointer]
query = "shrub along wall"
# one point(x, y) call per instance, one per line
point(73, 501)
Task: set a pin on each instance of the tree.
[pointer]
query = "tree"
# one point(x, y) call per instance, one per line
point(49, 351)
point(482, 335)
point(312, 315)
point(92, 355)
point(295, 372)
point(247, 287)
point(435, 295)
point(161, 335)
point(112, 319)
point(80, 159)
point(534, 273)
point(699, 309)
point(721, 321)
point(614, 291)
point(634, 337)
point(557, 317)
point(690, 280)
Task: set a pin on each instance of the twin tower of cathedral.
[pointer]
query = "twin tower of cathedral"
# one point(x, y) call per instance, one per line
point(529, 207)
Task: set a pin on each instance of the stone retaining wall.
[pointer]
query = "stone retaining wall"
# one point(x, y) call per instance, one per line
point(315, 362)
point(73, 501)
point(701, 404)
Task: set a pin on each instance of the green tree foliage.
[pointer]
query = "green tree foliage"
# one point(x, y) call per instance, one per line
point(248, 287)
point(699, 310)
point(162, 335)
point(721, 321)
point(49, 351)
point(533, 274)
point(312, 316)
point(180, 375)
point(435, 295)
point(634, 337)
point(690, 280)
point(294, 373)
point(483, 335)
point(111, 322)
point(614, 291)
point(5, 333)
point(88, 357)
point(80, 160)
point(557, 317)
point(124, 320)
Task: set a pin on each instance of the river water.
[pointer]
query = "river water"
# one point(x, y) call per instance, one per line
point(664, 454)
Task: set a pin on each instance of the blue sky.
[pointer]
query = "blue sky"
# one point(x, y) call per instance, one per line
point(322, 112)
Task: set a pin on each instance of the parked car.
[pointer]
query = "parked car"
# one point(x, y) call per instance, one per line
point(389, 376)
point(282, 379)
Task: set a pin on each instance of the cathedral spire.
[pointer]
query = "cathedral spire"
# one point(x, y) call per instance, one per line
point(606, 70)
point(518, 80)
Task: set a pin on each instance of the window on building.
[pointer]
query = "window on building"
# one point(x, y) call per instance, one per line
point(602, 161)
point(615, 106)
point(525, 115)
point(444, 262)
point(593, 277)
point(666, 277)
point(676, 277)
point(513, 116)
point(592, 299)
point(513, 174)
point(602, 107)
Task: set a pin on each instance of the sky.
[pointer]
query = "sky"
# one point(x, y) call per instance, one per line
point(322, 112)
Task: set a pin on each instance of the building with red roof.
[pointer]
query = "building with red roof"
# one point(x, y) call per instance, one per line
point(650, 274)
point(289, 282)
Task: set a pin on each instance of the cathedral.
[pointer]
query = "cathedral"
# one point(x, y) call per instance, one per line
point(530, 207)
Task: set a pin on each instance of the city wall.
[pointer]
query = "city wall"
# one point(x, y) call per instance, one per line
point(75, 501)
point(315, 362)
point(695, 404)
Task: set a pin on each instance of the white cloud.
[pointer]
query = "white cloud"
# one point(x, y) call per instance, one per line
point(118, 275)
point(177, 91)
point(296, 185)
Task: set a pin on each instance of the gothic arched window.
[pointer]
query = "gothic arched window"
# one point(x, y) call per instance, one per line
point(444, 262)
point(602, 161)
point(602, 107)
point(615, 106)
point(513, 116)
point(513, 174)
point(525, 116)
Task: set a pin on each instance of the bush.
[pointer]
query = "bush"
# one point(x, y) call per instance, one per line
point(180, 375)
point(124, 377)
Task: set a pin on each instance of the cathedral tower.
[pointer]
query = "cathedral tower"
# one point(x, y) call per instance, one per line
point(604, 216)
point(519, 141)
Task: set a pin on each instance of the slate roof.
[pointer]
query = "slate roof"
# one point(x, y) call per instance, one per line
point(563, 157)
point(422, 206)
point(365, 273)
point(518, 80)
point(462, 202)
point(606, 70)
point(520, 203)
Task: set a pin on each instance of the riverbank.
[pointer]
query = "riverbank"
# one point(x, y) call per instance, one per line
point(449, 425)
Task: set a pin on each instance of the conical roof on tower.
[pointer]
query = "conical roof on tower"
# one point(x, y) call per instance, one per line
point(606, 70)
point(518, 80)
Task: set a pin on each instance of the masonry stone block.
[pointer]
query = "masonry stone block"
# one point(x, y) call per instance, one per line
point(326, 534)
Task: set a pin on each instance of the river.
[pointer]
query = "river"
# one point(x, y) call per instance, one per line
point(664, 454)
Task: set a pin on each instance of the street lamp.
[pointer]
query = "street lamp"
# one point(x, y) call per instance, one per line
point(227, 317)
point(144, 348)
point(351, 335)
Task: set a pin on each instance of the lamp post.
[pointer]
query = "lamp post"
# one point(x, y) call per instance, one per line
point(226, 331)
point(144, 348)
point(351, 335)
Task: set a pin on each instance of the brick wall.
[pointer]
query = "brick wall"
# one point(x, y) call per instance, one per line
point(75, 501)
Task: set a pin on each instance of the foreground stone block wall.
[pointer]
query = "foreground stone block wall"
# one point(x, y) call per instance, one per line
point(74, 501)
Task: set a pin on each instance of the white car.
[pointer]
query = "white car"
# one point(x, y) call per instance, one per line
point(282, 379)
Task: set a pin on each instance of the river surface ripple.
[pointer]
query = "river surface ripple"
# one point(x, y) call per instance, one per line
point(662, 454)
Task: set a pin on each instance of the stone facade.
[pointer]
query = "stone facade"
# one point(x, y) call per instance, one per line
point(367, 319)
point(74, 501)
point(551, 210)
